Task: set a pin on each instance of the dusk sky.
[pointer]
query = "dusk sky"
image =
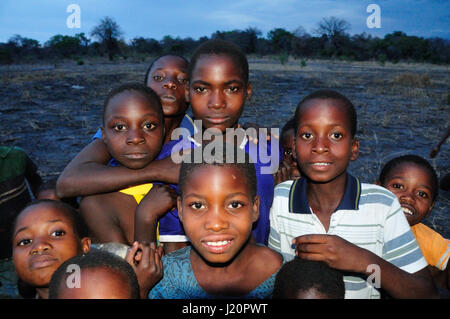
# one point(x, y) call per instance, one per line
point(41, 19)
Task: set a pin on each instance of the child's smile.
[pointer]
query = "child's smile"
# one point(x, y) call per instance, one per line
point(217, 212)
point(413, 188)
point(324, 145)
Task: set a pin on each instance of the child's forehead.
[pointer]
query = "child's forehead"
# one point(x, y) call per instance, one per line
point(127, 96)
point(407, 168)
point(333, 108)
point(170, 61)
point(208, 61)
point(42, 213)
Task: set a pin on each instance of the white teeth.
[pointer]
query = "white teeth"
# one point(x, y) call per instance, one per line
point(217, 243)
point(321, 164)
point(407, 211)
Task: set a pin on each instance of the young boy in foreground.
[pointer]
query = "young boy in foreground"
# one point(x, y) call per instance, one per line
point(328, 215)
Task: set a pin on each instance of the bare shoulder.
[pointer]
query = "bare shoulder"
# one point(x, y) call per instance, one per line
point(267, 258)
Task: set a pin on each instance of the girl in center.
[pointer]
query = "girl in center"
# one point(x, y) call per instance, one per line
point(217, 206)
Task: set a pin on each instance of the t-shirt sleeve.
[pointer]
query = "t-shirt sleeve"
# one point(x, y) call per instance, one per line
point(171, 229)
point(400, 246)
point(274, 235)
point(97, 135)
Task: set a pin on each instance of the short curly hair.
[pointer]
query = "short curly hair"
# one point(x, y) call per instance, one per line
point(95, 258)
point(302, 275)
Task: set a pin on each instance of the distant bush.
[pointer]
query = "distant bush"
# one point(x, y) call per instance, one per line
point(412, 79)
point(283, 57)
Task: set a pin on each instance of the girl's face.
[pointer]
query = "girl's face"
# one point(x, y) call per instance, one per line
point(133, 131)
point(287, 142)
point(168, 77)
point(324, 145)
point(217, 92)
point(217, 211)
point(43, 239)
point(414, 189)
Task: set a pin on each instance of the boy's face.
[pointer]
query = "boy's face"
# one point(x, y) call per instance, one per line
point(168, 77)
point(97, 283)
point(414, 189)
point(133, 131)
point(287, 142)
point(43, 239)
point(217, 211)
point(323, 144)
point(217, 92)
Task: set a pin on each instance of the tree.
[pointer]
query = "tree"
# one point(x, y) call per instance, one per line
point(280, 39)
point(108, 33)
point(334, 29)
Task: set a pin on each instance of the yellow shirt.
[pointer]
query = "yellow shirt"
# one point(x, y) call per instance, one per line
point(435, 248)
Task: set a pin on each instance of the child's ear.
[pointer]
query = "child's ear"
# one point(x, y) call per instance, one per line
point(355, 149)
point(255, 214)
point(102, 129)
point(180, 209)
point(249, 91)
point(85, 244)
point(377, 182)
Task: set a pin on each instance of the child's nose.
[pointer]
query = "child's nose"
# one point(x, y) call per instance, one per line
point(170, 84)
point(135, 137)
point(216, 99)
point(320, 145)
point(215, 220)
point(40, 246)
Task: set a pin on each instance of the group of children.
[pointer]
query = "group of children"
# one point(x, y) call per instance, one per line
point(221, 228)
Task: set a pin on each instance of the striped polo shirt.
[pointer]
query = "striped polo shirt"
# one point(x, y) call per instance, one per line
point(368, 216)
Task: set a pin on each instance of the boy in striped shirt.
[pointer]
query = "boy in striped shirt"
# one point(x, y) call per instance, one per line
point(329, 215)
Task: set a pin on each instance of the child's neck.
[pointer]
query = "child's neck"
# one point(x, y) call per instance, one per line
point(324, 198)
point(171, 123)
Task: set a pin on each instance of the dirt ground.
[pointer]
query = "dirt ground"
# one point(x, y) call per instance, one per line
point(52, 110)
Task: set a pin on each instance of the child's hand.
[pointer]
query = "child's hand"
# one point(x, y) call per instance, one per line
point(335, 251)
point(159, 200)
point(146, 261)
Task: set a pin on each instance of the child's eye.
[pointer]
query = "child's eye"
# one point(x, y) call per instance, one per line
point(24, 242)
point(196, 205)
point(288, 152)
point(234, 89)
point(200, 89)
point(58, 233)
point(422, 194)
point(397, 186)
point(182, 81)
point(336, 136)
point(306, 136)
point(119, 127)
point(157, 78)
point(235, 205)
point(149, 126)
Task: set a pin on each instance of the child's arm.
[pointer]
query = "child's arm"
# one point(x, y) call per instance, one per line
point(89, 174)
point(146, 261)
point(436, 149)
point(343, 255)
point(158, 201)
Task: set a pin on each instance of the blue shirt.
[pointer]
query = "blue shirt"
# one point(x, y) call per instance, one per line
point(179, 281)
